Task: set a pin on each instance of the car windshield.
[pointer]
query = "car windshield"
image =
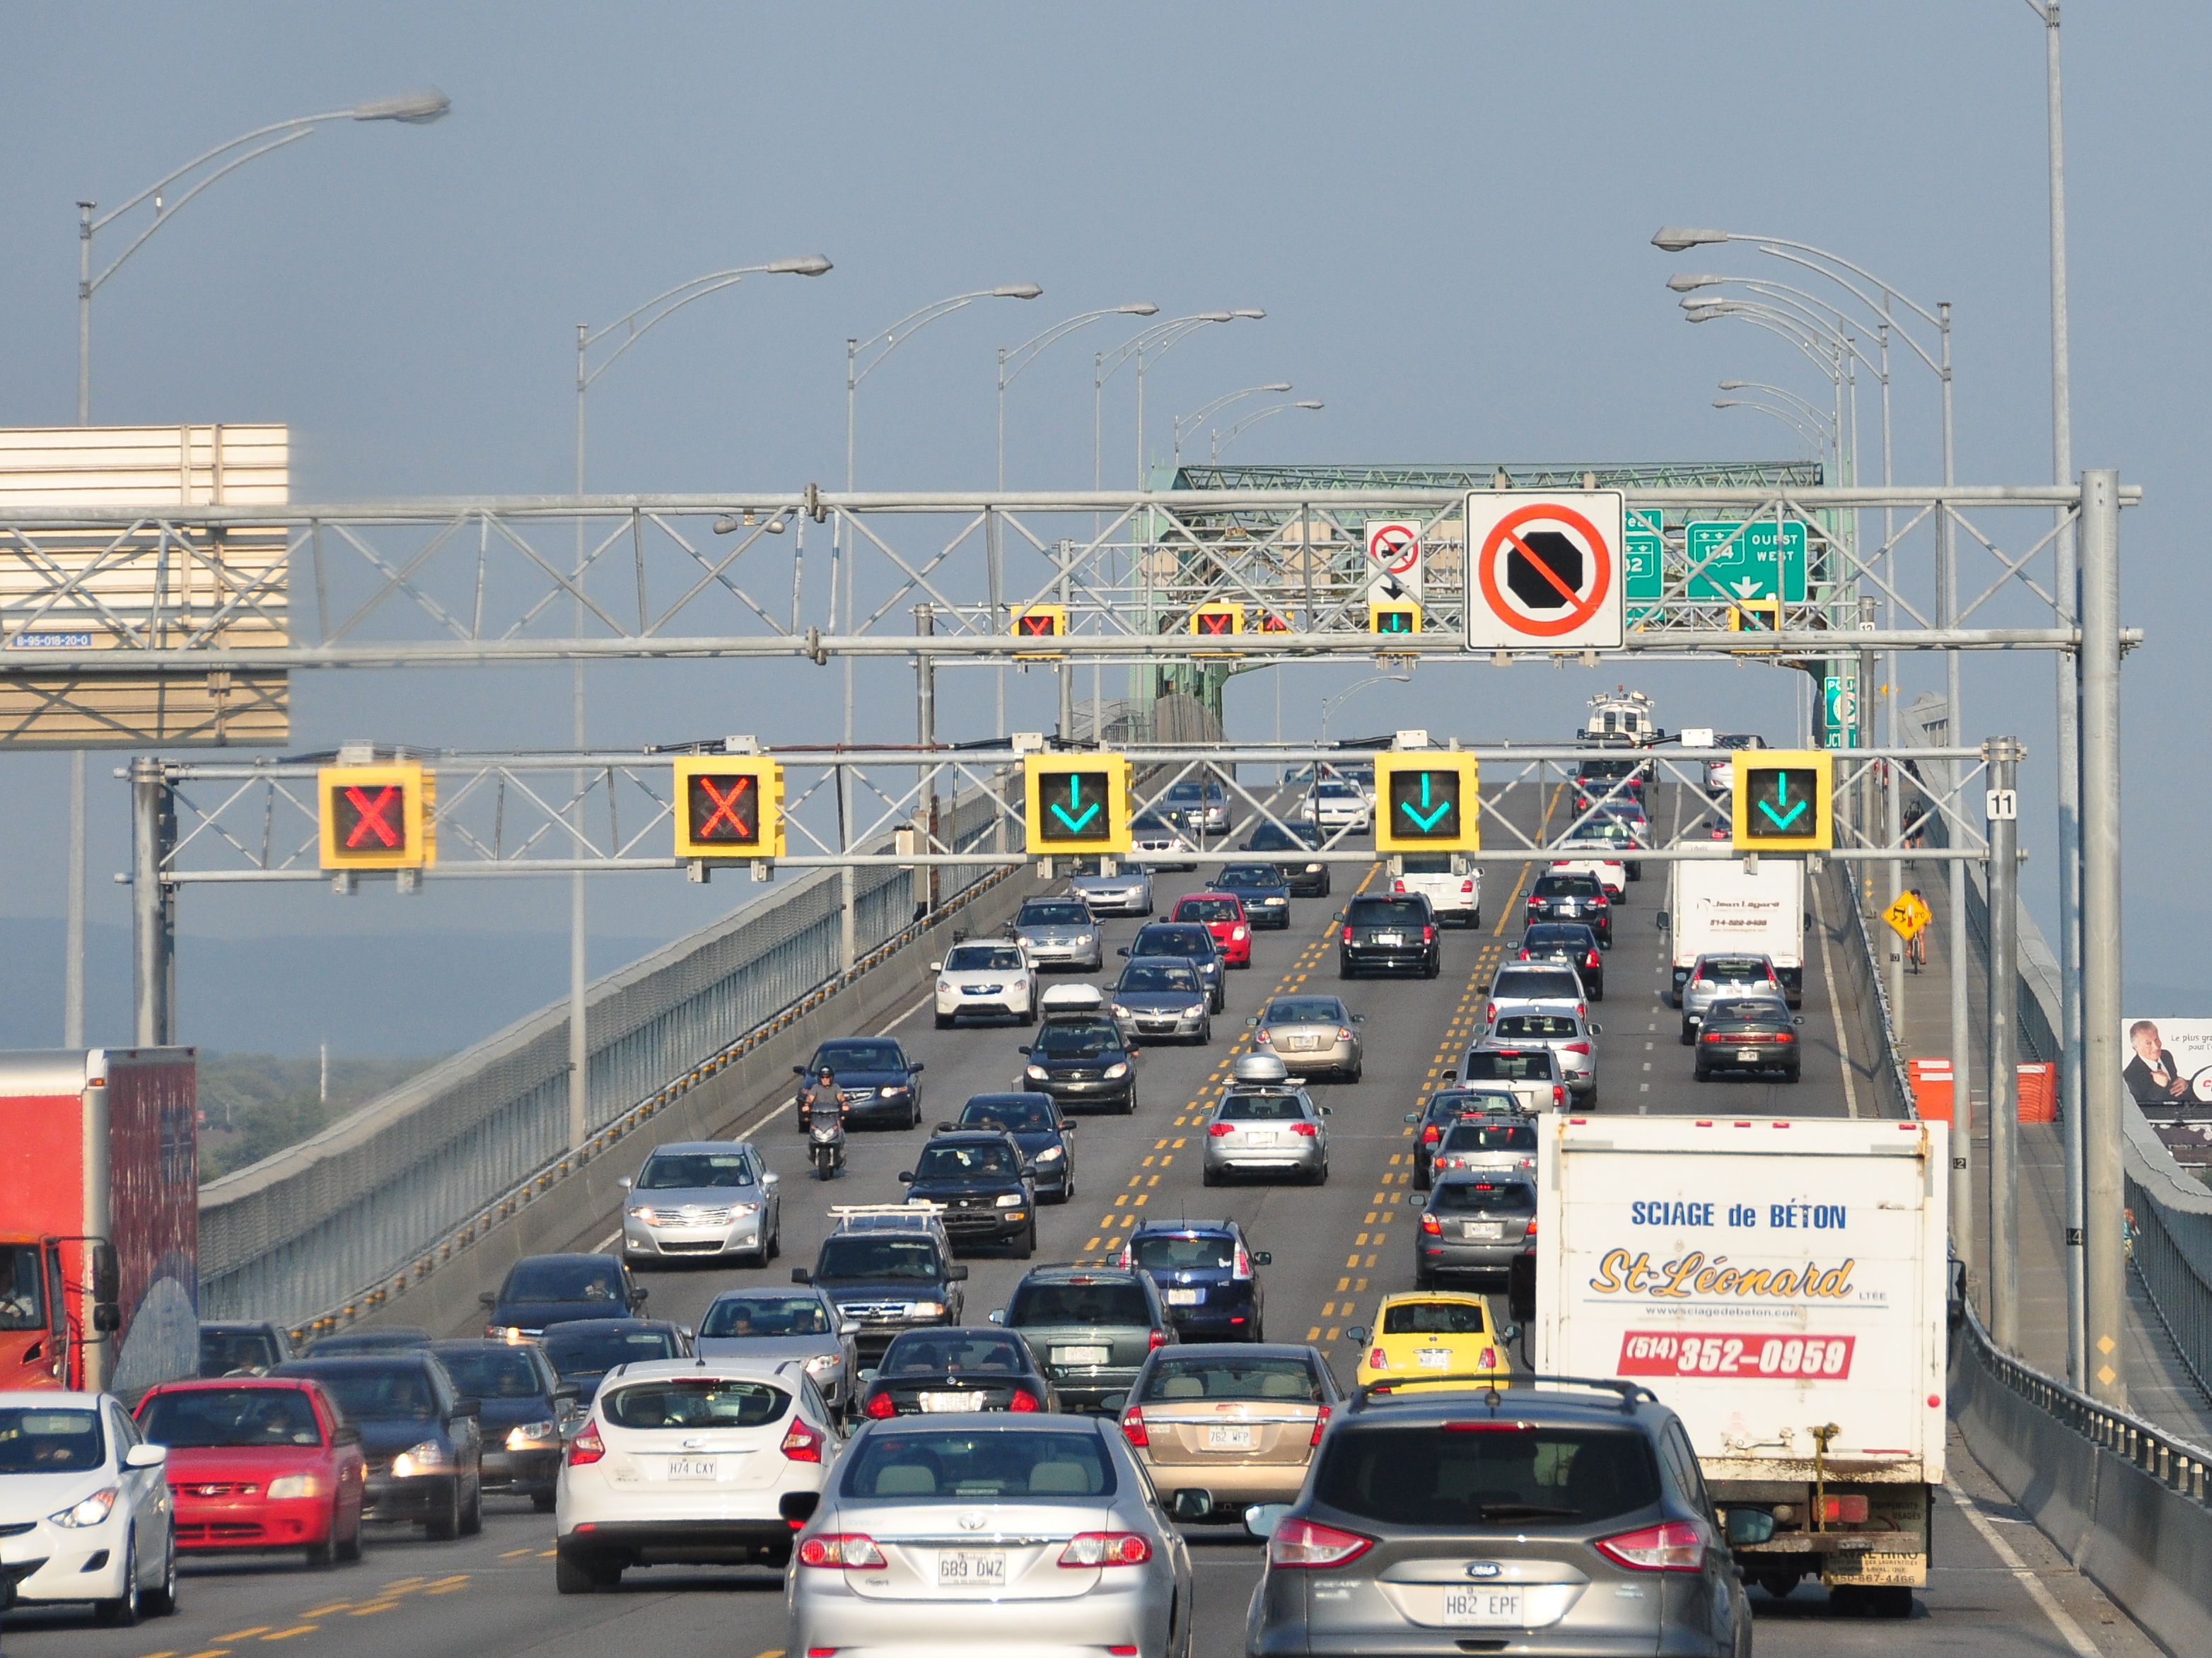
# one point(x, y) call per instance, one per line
point(1251, 875)
point(1436, 1477)
point(1260, 1107)
point(1504, 1064)
point(684, 1402)
point(952, 1352)
point(564, 1280)
point(1734, 970)
point(1304, 1010)
point(1087, 1039)
point(1274, 837)
point(956, 1162)
point(22, 1306)
point(1196, 792)
point(1118, 1304)
point(983, 958)
point(1152, 824)
point(1334, 791)
point(594, 1352)
point(1173, 941)
point(1054, 916)
point(766, 1315)
point(1567, 886)
point(853, 1256)
point(1388, 911)
point(672, 1171)
point(35, 1439)
point(1535, 1026)
point(970, 1465)
point(856, 1056)
point(231, 1352)
point(1209, 909)
point(1607, 830)
point(207, 1417)
point(1492, 1137)
point(1484, 1198)
point(1287, 1380)
point(1435, 1318)
point(494, 1370)
point(394, 1393)
point(1169, 1252)
point(1015, 1117)
point(1154, 976)
point(1520, 985)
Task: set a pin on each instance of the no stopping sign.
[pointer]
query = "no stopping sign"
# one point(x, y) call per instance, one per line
point(1544, 570)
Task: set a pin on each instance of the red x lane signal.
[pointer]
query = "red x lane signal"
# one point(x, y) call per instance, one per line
point(725, 808)
point(729, 806)
point(377, 817)
point(370, 821)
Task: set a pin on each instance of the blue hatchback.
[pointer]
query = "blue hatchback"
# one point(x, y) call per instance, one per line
point(1206, 1271)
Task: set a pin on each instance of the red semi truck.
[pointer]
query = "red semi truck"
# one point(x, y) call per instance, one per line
point(98, 1217)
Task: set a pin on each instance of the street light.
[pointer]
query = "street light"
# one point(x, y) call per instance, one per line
point(1217, 404)
point(1804, 406)
point(417, 109)
point(1223, 440)
point(1157, 341)
point(1029, 349)
point(1329, 706)
point(1816, 437)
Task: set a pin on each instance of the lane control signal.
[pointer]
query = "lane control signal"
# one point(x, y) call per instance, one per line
point(1782, 801)
point(1040, 621)
point(377, 817)
point(1212, 621)
point(1392, 616)
point(728, 807)
point(1428, 800)
point(1755, 616)
point(1076, 800)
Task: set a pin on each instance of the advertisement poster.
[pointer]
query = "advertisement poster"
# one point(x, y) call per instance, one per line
point(2169, 1066)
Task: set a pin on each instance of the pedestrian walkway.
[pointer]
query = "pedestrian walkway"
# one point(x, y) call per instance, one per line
point(2159, 1388)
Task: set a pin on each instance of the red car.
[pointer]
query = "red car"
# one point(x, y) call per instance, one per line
point(259, 1462)
point(1223, 915)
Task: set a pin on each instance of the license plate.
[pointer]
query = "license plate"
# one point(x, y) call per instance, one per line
point(1185, 1297)
point(1228, 1436)
point(1465, 1608)
point(937, 1402)
point(693, 1468)
point(1263, 1137)
point(1746, 1056)
point(1485, 1229)
point(1301, 1044)
point(970, 1570)
point(1390, 937)
point(1080, 1355)
point(1434, 1358)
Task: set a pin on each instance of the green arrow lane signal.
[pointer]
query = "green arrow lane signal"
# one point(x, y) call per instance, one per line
point(1424, 804)
point(1424, 819)
point(1072, 807)
point(1074, 821)
point(1782, 821)
point(1782, 801)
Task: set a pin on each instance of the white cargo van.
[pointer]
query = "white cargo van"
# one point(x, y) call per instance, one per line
point(1717, 908)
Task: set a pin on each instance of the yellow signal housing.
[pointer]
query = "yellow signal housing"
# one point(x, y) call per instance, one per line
point(377, 818)
point(728, 807)
point(1400, 617)
point(1076, 801)
point(1428, 800)
point(1040, 621)
point(1210, 620)
point(1755, 616)
point(1782, 800)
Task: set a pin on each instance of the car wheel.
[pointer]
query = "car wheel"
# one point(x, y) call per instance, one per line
point(1205, 1033)
point(1689, 1033)
point(122, 1612)
point(775, 1240)
point(162, 1602)
point(947, 1021)
point(1343, 967)
point(443, 1528)
point(572, 1575)
point(1597, 993)
point(1422, 1179)
point(543, 1501)
point(1702, 1075)
point(1477, 921)
point(1320, 1176)
point(324, 1554)
point(1790, 1076)
point(1129, 1105)
point(1029, 1013)
point(1028, 1243)
point(1424, 1279)
point(473, 1517)
point(1433, 967)
point(1209, 1177)
point(350, 1547)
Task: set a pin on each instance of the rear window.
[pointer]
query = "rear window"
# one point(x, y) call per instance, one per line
point(1105, 1304)
point(766, 1315)
point(1525, 984)
point(685, 1403)
point(953, 1352)
point(212, 1417)
point(1535, 1026)
point(1566, 886)
point(1492, 1137)
point(1555, 935)
point(976, 1465)
point(1428, 863)
point(1164, 1252)
point(1435, 1318)
point(1746, 1013)
point(1441, 1477)
point(1289, 1380)
point(1173, 941)
point(1735, 970)
point(223, 1352)
point(1389, 912)
point(1463, 1102)
point(1260, 1107)
point(1305, 1009)
point(597, 1351)
point(1484, 1198)
point(1487, 1065)
point(38, 1440)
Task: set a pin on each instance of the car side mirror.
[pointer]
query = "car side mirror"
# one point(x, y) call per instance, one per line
point(770, 1177)
point(799, 1070)
point(1661, 920)
point(850, 1328)
point(1800, 1019)
point(488, 1298)
point(1251, 1024)
point(346, 1434)
point(1360, 1019)
point(906, 1177)
point(1508, 1333)
point(1412, 1116)
point(917, 1066)
point(1263, 1258)
point(1024, 1052)
point(565, 1397)
point(937, 966)
point(1355, 1335)
point(801, 1275)
point(1191, 1503)
point(1744, 1526)
point(146, 1457)
point(1451, 1075)
point(107, 1317)
point(1000, 1316)
point(1120, 952)
point(869, 1375)
point(468, 1407)
point(1597, 1030)
point(1327, 1111)
point(798, 1507)
point(1261, 1519)
point(625, 1182)
point(956, 1274)
point(637, 1296)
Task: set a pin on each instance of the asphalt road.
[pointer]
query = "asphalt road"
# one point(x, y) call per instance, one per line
point(1335, 1249)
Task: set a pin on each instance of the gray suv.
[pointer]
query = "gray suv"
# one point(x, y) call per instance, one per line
point(1548, 1516)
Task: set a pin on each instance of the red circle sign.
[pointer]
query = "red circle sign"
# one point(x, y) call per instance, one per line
point(1396, 548)
point(1579, 608)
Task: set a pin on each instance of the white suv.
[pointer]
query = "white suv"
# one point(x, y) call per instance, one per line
point(986, 976)
point(694, 1461)
point(1453, 897)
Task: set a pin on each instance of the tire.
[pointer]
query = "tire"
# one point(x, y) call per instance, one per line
point(123, 1613)
point(322, 1555)
point(448, 1526)
point(543, 1501)
point(1433, 967)
point(1344, 968)
point(947, 1021)
point(1422, 1180)
point(775, 1239)
point(1356, 1073)
point(1209, 1177)
point(1319, 1177)
point(572, 1575)
point(1424, 1279)
point(1129, 1105)
point(1792, 1077)
point(349, 1548)
point(1704, 1075)
point(1028, 1243)
point(1477, 921)
point(473, 1517)
point(913, 1114)
point(1029, 1014)
point(162, 1602)
point(1689, 1036)
point(1205, 1033)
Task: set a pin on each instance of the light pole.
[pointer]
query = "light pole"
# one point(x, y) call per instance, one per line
point(1815, 437)
point(1220, 403)
point(418, 109)
point(1222, 439)
point(1150, 351)
point(633, 327)
point(1328, 708)
point(1804, 406)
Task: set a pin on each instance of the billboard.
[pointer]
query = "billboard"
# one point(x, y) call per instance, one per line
point(2169, 1066)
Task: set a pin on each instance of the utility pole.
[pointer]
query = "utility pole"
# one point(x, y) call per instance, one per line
point(2103, 1095)
point(924, 732)
point(153, 907)
point(2003, 756)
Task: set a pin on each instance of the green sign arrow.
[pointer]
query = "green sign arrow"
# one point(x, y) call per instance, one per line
point(1074, 799)
point(1427, 824)
point(1782, 821)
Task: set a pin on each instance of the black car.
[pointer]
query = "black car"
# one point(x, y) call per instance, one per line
point(419, 1436)
point(1567, 895)
point(1448, 1107)
point(1397, 933)
point(976, 1176)
point(1597, 781)
point(1047, 1139)
point(1569, 944)
point(385, 1339)
point(523, 1406)
point(544, 1290)
point(1265, 890)
point(582, 1352)
point(889, 1280)
point(1204, 1271)
point(1083, 1062)
point(236, 1347)
point(1754, 1035)
point(877, 1081)
point(1195, 942)
point(929, 1371)
point(1308, 879)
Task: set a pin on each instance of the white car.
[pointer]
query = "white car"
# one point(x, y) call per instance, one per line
point(82, 1494)
point(1453, 897)
point(986, 976)
point(1157, 844)
point(1611, 872)
point(1335, 804)
point(694, 1462)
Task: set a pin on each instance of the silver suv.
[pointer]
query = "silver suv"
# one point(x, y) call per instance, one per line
point(1561, 1027)
point(1727, 977)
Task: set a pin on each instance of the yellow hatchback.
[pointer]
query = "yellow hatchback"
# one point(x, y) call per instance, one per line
point(1429, 1334)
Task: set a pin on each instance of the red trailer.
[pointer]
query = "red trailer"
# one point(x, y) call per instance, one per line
point(98, 1217)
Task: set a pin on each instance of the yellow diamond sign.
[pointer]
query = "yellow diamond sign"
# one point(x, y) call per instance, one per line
point(1908, 914)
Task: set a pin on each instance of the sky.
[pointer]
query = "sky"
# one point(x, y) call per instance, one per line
point(1445, 212)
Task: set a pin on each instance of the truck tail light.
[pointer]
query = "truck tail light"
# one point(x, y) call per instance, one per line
point(1304, 1546)
point(1320, 1421)
point(1106, 1548)
point(853, 1550)
point(1432, 1226)
point(802, 1443)
point(1677, 1546)
point(1133, 1428)
point(1851, 1510)
point(586, 1447)
point(1222, 1130)
point(1558, 1094)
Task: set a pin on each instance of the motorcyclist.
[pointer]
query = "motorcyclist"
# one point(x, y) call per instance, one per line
point(817, 1104)
point(823, 1089)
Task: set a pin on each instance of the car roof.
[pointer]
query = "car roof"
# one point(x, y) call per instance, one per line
point(1081, 1275)
point(32, 1399)
point(1242, 1350)
point(968, 1137)
point(356, 1363)
point(700, 1145)
point(709, 1368)
point(1456, 1297)
point(1546, 1401)
point(571, 1327)
point(201, 1383)
point(1195, 1228)
point(579, 1256)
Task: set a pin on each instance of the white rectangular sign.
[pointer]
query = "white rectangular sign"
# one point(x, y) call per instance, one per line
point(1544, 569)
point(1393, 558)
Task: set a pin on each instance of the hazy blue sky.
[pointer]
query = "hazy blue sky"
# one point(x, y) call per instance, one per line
point(1444, 210)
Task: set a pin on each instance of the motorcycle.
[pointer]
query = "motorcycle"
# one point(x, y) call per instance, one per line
point(825, 1135)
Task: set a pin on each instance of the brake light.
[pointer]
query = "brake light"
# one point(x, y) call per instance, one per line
point(1307, 1129)
point(1490, 1013)
point(1576, 1048)
point(1398, 886)
point(1377, 1359)
point(1344, 1033)
point(1532, 1227)
point(1582, 1010)
point(1221, 1129)
point(1712, 1036)
point(1852, 1510)
point(802, 1443)
point(1321, 1421)
point(851, 1549)
point(1428, 935)
point(1489, 1359)
point(1432, 1134)
point(880, 1407)
point(586, 1447)
point(1133, 1428)
point(1023, 1400)
point(1347, 932)
point(1262, 1036)
point(1158, 1339)
point(1432, 1226)
point(1677, 1546)
point(1785, 1037)
point(1106, 1548)
point(1524, 955)
point(1243, 1269)
point(1591, 962)
point(1467, 885)
point(1558, 1094)
point(1302, 1546)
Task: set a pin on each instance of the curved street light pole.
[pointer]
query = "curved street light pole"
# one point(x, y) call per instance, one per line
point(1029, 350)
point(1223, 440)
point(1151, 352)
point(1215, 407)
point(1329, 706)
point(1815, 436)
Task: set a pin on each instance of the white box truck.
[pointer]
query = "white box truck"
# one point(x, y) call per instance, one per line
point(1718, 908)
point(1781, 1286)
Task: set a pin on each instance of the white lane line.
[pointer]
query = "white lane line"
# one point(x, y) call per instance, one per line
point(927, 996)
point(1835, 1012)
point(607, 1242)
point(2062, 1620)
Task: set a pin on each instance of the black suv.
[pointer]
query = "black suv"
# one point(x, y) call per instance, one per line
point(542, 1291)
point(1308, 880)
point(1568, 943)
point(1398, 932)
point(888, 1279)
point(1562, 895)
point(975, 1175)
point(1083, 1062)
point(1195, 942)
point(1047, 1139)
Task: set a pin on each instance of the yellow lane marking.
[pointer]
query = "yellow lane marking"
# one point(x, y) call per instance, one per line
point(1179, 1146)
point(1142, 1198)
point(313, 1612)
point(373, 1607)
point(513, 1554)
point(1159, 1146)
point(241, 1634)
point(211, 1652)
point(1314, 1334)
point(1154, 1180)
point(296, 1628)
point(547, 1554)
point(1087, 1248)
point(1128, 1221)
point(1353, 1260)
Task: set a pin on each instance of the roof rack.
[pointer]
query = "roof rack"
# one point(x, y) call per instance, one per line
point(1631, 1394)
point(852, 1211)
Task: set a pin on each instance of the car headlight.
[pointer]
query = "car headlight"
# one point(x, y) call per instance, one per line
point(1086, 938)
point(925, 1309)
point(1025, 941)
point(428, 1457)
point(944, 987)
point(643, 1212)
point(823, 1363)
point(1117, 1070)
point(302, 1484)
point(1009, 1200)
point(1036, 1073)
point(1120, 1011)
point(916, 1197)
point(889, 1090)
point(91, 1511)
point(510, 1334)
point(522, 1438)
point(1050, 1154)
point(1313, 869)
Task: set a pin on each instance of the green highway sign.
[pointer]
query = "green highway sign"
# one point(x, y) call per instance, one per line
point(1840, 698)
point(1765, 560)
point(1640, 562)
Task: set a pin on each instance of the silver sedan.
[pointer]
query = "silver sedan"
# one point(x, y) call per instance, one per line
point(1312, 1036)
point(1129, 893)
point(1266, 1131)
point(1016, 1534)
point(1561, 1027)
point(703, 1198)
point(1059, 933)
point(789, 1323)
